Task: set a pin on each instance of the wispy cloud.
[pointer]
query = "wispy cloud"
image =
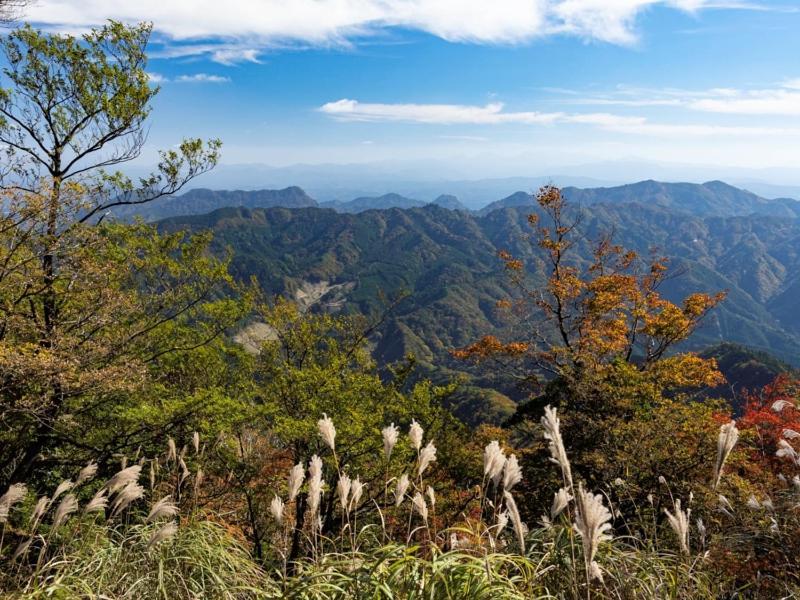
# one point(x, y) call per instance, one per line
point(781, 100)
point(202, 78)
point(264, 23)
point(494, 114)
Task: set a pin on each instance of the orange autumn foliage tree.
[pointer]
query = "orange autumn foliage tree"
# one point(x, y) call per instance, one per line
point(594, 317)
point(597, 338)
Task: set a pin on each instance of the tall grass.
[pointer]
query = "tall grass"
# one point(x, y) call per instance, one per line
point(118, 540)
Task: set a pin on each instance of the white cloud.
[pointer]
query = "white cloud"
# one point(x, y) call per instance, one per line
point(494, 114)
point(202, 78)
point(262, 23)
point(156, 78)
point(231, 56)
point(781, 100)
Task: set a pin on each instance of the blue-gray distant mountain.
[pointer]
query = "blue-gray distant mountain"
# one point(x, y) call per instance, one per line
point(201, 201)
point(373, 203)
point(449, 202)
point(713, 198)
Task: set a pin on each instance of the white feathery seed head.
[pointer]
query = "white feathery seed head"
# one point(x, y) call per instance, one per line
point(420, 506)
point(679, 521)
point(65, 508)
point(314, 484)
point(123, 478)
point(415, 433)
point(164, 507)
point(592, 523)
point(64, 486)
point(343, 490)
point(13, 495)
point(493, 460)
point(296, 476)
point(790, 434)
point(356, 491)
point(276, 509)
point(728, 436)
point(561, 500)
point(42, 504)
point(552, 433)
point(164, 533)
point(327, 431)
point(779, 405)
point(512, 472)
point(502, 521)
point(172, 451)
point(401, 489)
point(516, 521)
point(431, 496)
point(196, 442)
point(390, 434)
point(87, 473)
point(98, 503)
point(426, 456)
point(126, 496)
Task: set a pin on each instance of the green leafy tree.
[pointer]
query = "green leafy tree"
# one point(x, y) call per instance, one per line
point(90, 314)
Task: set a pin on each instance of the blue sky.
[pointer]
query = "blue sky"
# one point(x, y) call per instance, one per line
point(497, 84)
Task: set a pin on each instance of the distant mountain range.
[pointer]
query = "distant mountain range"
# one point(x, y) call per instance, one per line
point(713, 198)
point(445, 261)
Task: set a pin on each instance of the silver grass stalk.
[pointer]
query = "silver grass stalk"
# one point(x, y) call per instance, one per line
point(785, 450)
point(426, 456)
point(561, 500)
point(779, 405)
point(42, 504)
point(791, 434)
point(164, 507)
point(196, 442)
point(65, 508)
point(415, 433)
point(679, 521)
point(592, 524)
point(327, 431)
point(401, 489)
point(152, 474)
point(343, 490)
point(276, 508)
point(296, 476)
point(126, 496)
point(172, 451)
point(431, 496)
point(64, 486)
point(552, 433)
point(512, 473)
point(516, 521)
point(420, 506)
point(87, 473)
point(390, 434)
point(22, 549)
point(493, 461)
point(13, 495)
point(357, 491)
point(198, 480)
point(166, 532)
point(123, 478)
point(98, 503)
point(728, 436)
point(502, 521)
point(314, 484)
